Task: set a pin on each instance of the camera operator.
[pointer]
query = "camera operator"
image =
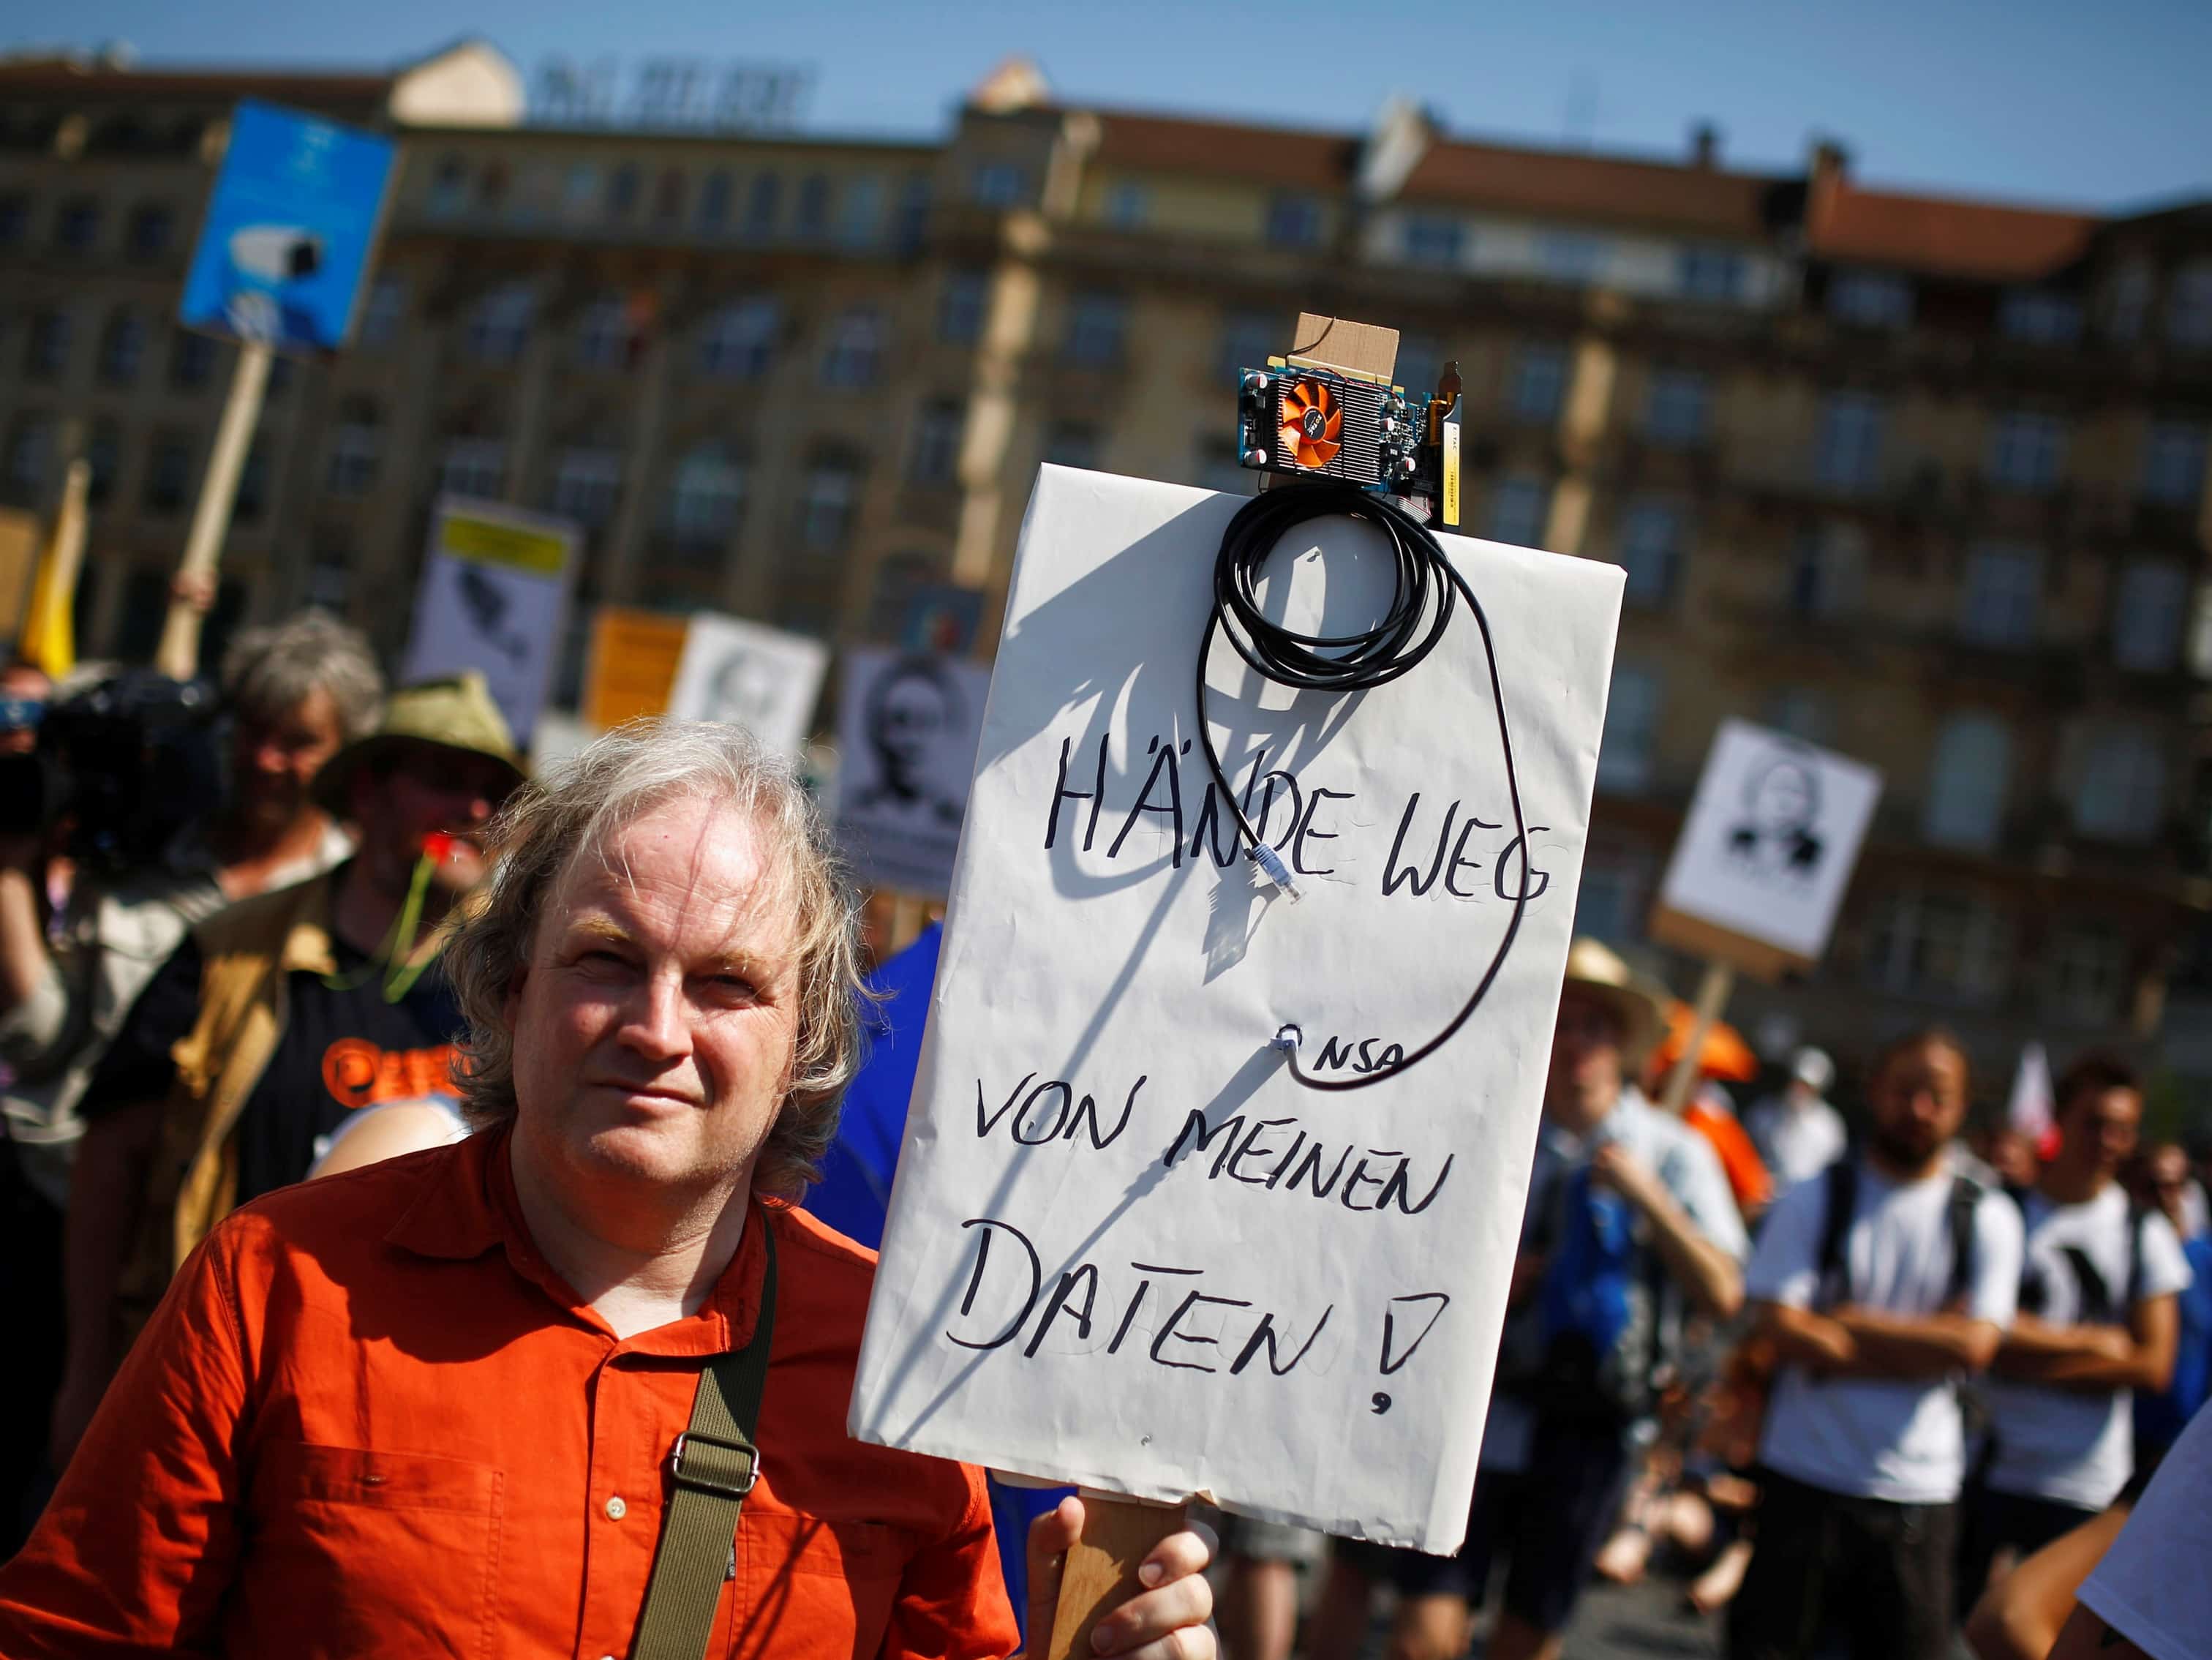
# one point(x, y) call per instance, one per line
point(98, 885)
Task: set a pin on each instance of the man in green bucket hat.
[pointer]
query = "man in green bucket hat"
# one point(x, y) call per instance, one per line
point(279, 1018)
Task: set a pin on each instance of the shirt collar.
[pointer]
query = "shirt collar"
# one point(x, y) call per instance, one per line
point(468, 1206)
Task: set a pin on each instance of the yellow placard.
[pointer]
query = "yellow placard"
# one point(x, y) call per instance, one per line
point(1451, 472)
point(633, 664)
point(495, 544)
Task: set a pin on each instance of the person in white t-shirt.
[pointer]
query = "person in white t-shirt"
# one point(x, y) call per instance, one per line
point(2151, 1597)
point(1881, 1285)
point(2097, 1319)
point(1797, 1133)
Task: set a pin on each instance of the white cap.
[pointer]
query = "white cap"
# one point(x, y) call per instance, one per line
point(1811, 1068)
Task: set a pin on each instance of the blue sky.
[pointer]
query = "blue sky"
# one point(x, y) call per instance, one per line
point(2049, 100)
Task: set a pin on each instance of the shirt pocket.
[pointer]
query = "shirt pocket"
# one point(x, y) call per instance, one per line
point(814, 1588)
point(354, 1552)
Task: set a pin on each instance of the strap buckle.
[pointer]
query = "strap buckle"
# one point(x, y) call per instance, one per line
point(699, 1481)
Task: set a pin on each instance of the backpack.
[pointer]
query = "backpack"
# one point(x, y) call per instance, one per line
point(2098, 1307)
point(1590, 1344)
point(1842, 1179)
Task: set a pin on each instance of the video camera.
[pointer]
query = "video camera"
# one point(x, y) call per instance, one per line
point(123, 765)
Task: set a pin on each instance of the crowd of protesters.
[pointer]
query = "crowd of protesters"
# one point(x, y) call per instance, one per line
point(1880, 1390)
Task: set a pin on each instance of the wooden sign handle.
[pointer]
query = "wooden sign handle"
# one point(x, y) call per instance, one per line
point(1101, 1571)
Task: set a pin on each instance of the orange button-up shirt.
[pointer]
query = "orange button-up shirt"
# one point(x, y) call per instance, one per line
point(369, 1419)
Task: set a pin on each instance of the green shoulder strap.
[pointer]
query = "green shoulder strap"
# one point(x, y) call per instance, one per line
point(715, 1464)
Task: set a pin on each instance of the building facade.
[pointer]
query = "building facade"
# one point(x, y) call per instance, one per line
point(1917, 478)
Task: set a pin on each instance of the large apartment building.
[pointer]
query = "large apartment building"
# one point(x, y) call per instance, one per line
point(1920, 478)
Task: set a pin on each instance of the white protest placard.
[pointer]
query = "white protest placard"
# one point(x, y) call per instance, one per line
point(907, 727)
point(494, 593)
point(752, 676)
point(1125, 1247)
point(1766, 849)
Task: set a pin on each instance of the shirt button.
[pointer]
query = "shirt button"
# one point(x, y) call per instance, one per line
point(616, 1509)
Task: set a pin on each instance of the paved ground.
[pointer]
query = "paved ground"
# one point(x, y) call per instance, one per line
point(1650, 1620)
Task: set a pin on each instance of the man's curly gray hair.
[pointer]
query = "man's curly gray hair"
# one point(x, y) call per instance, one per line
point(573, 811)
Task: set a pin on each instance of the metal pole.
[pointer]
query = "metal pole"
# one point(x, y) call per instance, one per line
point(178, 655)
point(1712, 997)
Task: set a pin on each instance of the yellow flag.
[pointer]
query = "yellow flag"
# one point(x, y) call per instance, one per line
point(48, 637)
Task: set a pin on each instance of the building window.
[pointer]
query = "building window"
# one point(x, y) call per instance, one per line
point(1293, 221)
point(997, 184)
point(1966, 783)
point(1680, 408)
point(14, 220)
point(1606, 903)
point(668, 197)
point(330, 575)
point(2085, 981)
point(739, 339)
point(449, 196)
point(192, 360)
point(2127, 302)
point(936, 457)
point(1517, 510)
point(1803, 714)
point(1847, 449)
point(473, 466)
point(2147, 616)
point(122, 347)
point(579, 191)
point(705, 497)
point(1539, 383)
point(625, 184)
point(2027, 450)
point(586, 480)
point(960, 306)
point(1632, 728)
point(30, 452)
point(251, 499)
point(2173, 464)
point(77, 226)
point(2189, 306)
point(763, 203)
point(500, 325)
point(812, 213)
point(2123, 785)
point(603, 333)
point(1710, 273)
point(381, 313)
point(855, 359)
point(1571, 257)
point(357, 446)
point(1095, 323)
point(860, 214)
point(826, 503)
point(2002, 596)
point(1072, 444)
point(1945, 947)
point(715, 201)
point(1827, 572)
point(1870, 298)
point(46, 349)
point(1651, 550)
point(1434, 238)
point(1248, 337)
point(103, 455)
point(148, 235)
point(168, 473)
point(1128, 205)
point(2039, 317)
point(491, 187)
point(911, 223)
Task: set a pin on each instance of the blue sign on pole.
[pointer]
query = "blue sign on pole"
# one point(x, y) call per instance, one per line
point(291, 227)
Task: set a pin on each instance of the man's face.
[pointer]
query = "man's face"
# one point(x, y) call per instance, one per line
point(430, 799)
point(2101, 1126)
point(1919, 1100)
point(273, 761)
point(913, 714)
point(656, 1022)
point(1784, 799)
point(1585, 1075)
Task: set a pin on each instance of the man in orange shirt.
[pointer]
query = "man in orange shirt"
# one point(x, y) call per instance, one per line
point(442, 1404)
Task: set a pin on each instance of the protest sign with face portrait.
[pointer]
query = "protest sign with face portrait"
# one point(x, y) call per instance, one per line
point(905, 744)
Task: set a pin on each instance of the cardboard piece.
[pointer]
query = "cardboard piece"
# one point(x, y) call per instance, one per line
point(753, 676)
point(908, 724)
point(1765, 851)
point(493, 596)
point(1100, 1573)
point(1338, 343)
point(1127, 1250)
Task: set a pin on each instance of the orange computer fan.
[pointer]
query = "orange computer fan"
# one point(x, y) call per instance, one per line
point(1311, 420)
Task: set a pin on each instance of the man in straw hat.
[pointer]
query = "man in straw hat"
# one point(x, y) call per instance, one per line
point(279, 1016)
point(1629, 1221)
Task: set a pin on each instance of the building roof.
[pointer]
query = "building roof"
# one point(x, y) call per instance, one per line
point(1943, 234)
point(77, 77)
point(1277, 155)
point(1577, 185)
